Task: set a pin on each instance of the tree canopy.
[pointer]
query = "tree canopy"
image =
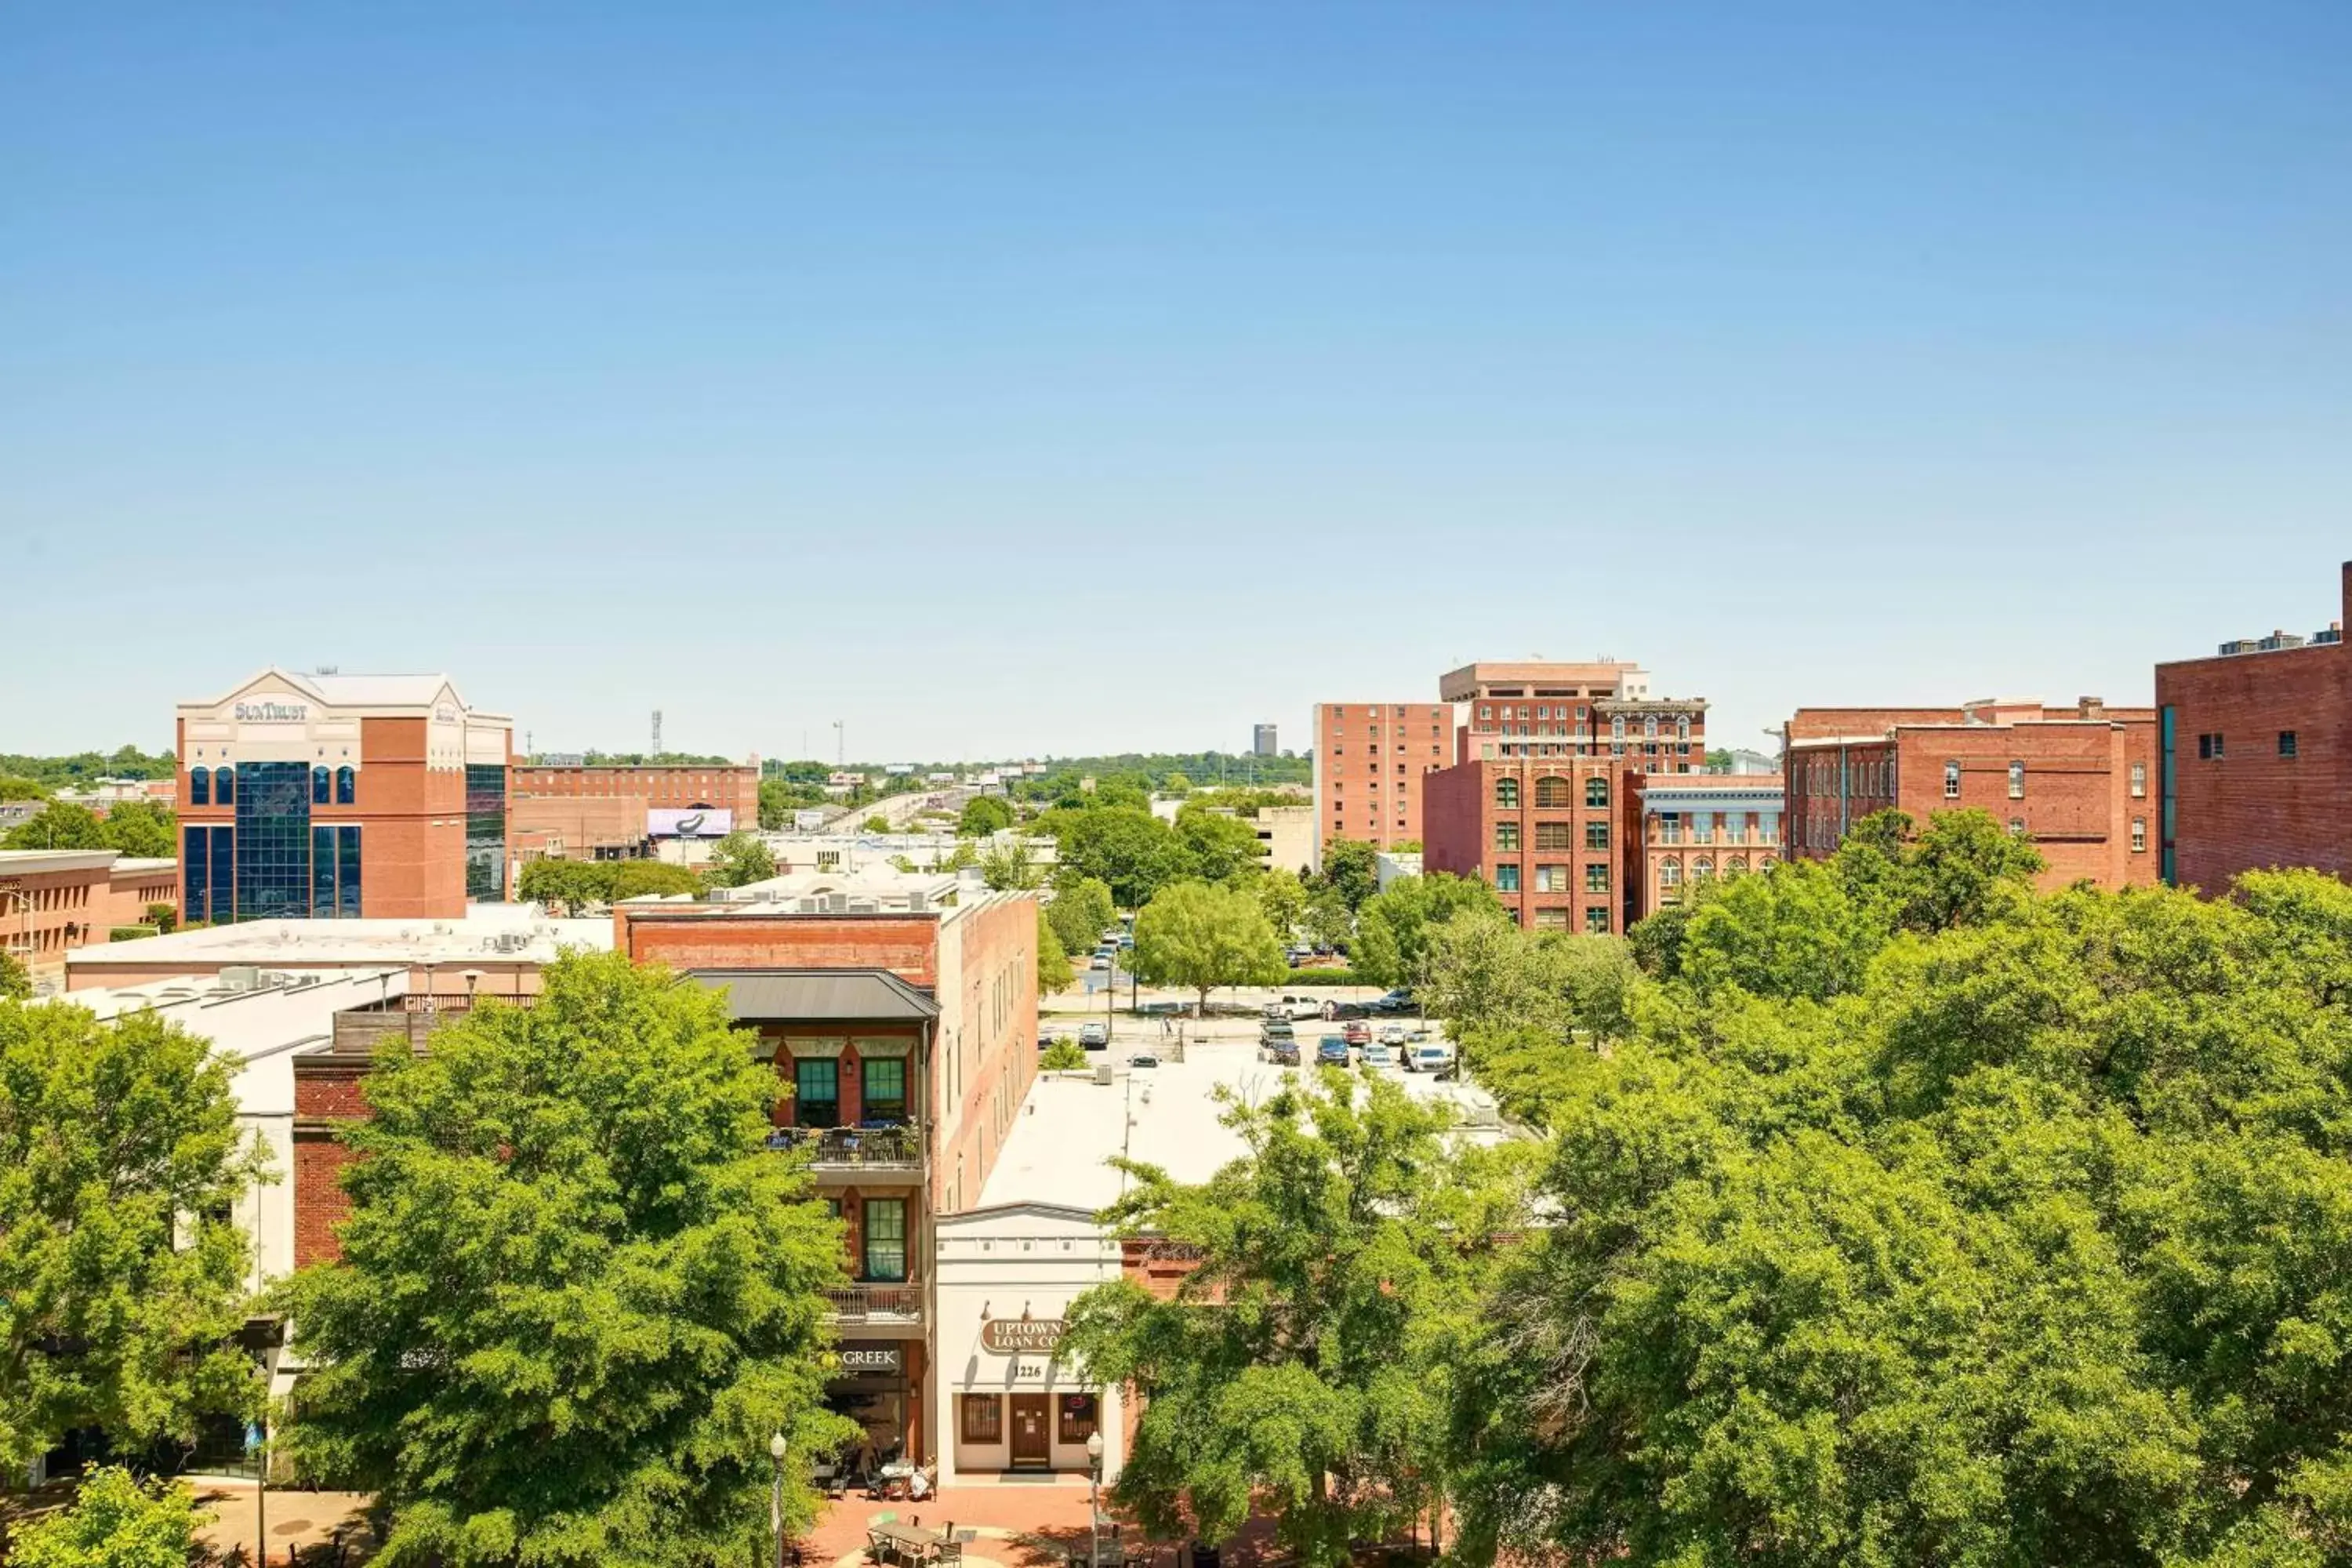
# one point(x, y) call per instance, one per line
point(1216, 848)
point(121, 1279)
point(1392, 945)
point(1202, 935)
point(114, 1522)
point(1052, 959)
point(984, 815)
point(738, 860)
point(138, 828)
point(1918, 1219)
point(1350, 867)
point(85, 768)
point(1081, 912)
point(60, 825)
point(576, 1292)
point(1308, 1362)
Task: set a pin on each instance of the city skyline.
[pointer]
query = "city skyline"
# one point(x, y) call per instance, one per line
point(1067, 381)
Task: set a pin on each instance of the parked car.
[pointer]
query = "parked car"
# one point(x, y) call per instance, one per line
point(1126, 940)
point(1356, 1032)
point(1276, 1029)
point(1144, 1059)
point(1392, 1033)
point(1393, 1002)
point(1300, 1006)
point(1281, 1053)
point(1376, 1055)
point(1095, 1036)
point(1332, 1049)
point(1436, 1056)
point(1335, 1011)
point(1099, 962)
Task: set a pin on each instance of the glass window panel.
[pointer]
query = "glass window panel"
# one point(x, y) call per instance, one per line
point(223, 855)
point(346, 786)
point(885, 1088)
point(191, 875)
point(225, 785)
point(200, 786)
point(273, 842)
point(319, 778)
point(322, 864)
point(486, 831)
point(816, 1092)
point(885, 1238)
point(348, 855)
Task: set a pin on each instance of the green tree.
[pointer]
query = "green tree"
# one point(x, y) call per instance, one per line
point(1351, 866)
point(123, 1278)
point(738, 860)
point(1964, 868)
point(984, 816)
point(1393, 928)
point(16, 979)
point(141, 829)
point(637, 878)
point(58, 826)
point(572, 885)
point(1052, 959)
point(2025, 1244)
point(1176, 784)
point(1081, 912)
point(114, 1522)
point(14, 786)
point(576, 1294)
point(1657, 940)
point(1063, 1056)
point(1282, 898)
point(1216, 848)
point(1009, 866)
point(1328, 922)
point(1131, 852)
point(781, 797)
point(165, 918)
point(1794, 931)
point(1202, 935)
point(877, 823)
point(1306, 1364)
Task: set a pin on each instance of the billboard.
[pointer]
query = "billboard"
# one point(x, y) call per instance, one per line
point(694, 822)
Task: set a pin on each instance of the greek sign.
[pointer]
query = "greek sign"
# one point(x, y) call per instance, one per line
point(869, 1358)
point(1021, 1336)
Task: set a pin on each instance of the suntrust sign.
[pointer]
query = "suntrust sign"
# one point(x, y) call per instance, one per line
point(262, 711)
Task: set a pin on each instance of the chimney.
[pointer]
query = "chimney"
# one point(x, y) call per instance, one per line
point(2091, 707)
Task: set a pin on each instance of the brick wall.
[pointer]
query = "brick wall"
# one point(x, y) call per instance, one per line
point(325, 1090)
point(1373, 763)
point(2254, 807)
point(907, 945)
point(1465, 835)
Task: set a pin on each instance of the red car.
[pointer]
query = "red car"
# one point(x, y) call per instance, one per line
point(1356, 1032)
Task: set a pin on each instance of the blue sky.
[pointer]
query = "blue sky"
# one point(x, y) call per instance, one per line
point(1013, 378)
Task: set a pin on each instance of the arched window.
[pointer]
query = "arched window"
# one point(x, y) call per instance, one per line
point(1553, 793)
point(1650, 727)
point(1951, 781)
point(346, 785)
point(1702, 869)
point(2017, 780)
point(319, 787)
point(1596, 790)
point(1670, 872)
point(1682, 728)
point(1735, 866)
point(200, 786)
point(1506, 794)
point(1617, 727)
point(225, 785)
point(1764, 862)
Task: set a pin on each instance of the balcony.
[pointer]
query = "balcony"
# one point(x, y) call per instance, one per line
point(884, 1148)
point(878, 1309)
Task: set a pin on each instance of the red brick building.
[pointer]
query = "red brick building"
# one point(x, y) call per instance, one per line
point(2255, 757)
point(1696, 827)
point(729, 787)
point(330, 796)
point(54, 901)
point(1371, 761)
point(2079, 782)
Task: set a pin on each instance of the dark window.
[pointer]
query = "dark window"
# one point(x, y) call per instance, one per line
point(191, 875)
point(200, 786)
point(223, 855)
point(1596, 877)
point(1596, 922)
point(1596, 792)
point(816, 1092)
point(885, 1089)
point(1596, 836)
point(347, 856)
point(273, 842)
point(322, 867)
point(2286, 742)
point(984, 1418)
point(319, 778)
point(225, 785)
point(885, 1238)
point(1077, 1414)
point(486, 831)
point(1555, 834)
point(346, 786)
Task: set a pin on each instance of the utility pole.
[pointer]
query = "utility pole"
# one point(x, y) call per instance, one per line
point(657, 756)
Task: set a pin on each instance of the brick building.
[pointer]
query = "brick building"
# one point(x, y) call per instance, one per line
point(2079, 782)
point(53, 901)
point(730, 787)
point(1696, 827)
point(1371, 761)
point(2254, 755)
point(341, 797)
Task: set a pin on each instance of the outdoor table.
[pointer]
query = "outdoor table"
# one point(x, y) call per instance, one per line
point(912, 1544)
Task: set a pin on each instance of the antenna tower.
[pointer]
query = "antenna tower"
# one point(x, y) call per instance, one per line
point(657, 751)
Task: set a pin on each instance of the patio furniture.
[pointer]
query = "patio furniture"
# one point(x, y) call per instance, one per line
point(907, 1544)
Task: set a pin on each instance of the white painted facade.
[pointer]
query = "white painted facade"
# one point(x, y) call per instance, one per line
point(1002, 1265)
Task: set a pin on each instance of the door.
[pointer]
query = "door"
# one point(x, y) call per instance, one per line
point(1032, 1436)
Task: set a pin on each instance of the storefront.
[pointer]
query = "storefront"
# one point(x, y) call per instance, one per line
point(1009, 1401)
point(878, 1385)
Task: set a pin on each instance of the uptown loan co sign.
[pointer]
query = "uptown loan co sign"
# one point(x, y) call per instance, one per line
point(1021, 1336)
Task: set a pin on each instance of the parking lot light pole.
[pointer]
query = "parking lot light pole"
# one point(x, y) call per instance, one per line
point(776, 1447)
point(1094, 1496)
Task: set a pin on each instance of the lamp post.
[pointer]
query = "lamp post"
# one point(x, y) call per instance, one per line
point(776, 1448)
point(256, 1443)
point(1094, 1504)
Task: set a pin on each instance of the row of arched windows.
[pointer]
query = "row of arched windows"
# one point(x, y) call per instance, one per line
point(1702, 869)
point(217, 786)
point(1552, 793)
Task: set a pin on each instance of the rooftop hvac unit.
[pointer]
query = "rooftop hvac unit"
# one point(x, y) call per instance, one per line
point(240, 977)
point(2331, 634)
point(2278, 640)
point(274, 979)
point(836, 903)
point(917, 903)
point(2238, 644)
point(1103, 1074)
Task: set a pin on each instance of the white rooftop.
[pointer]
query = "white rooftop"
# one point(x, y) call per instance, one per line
point(248, 1019)
point(529, 937)
point(1069, 1126)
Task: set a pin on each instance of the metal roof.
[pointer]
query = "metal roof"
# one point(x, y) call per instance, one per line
point(869, 996)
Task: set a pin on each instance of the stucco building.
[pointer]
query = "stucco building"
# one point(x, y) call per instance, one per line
point(55, 902)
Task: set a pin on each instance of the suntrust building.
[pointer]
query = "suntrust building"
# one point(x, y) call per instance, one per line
point(334, 796)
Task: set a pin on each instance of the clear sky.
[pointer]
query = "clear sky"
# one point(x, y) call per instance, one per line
point(1023, 377)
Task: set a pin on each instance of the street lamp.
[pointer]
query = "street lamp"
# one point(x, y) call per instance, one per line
point(776, 1448)
point(1094, 1504)
point(256, 1443)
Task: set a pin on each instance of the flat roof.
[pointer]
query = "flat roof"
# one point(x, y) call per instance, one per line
point(1069, 1126)
point(26, 862)
point(245, 1021)
point(290, 941)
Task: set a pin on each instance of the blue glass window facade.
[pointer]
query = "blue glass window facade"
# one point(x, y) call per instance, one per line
point(200, 786)
point(273, 841)
point(195, 907)
point(486, 831)
point(225, 785)
point(223, 880)
point(347, 881)
point(322, 869)
point(346, 786)
point(319, 778)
